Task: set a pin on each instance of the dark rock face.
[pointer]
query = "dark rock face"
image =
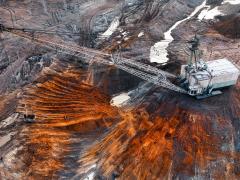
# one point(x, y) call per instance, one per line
point(31, 66)
point(111, 80)
point(214, 2)
point(229, 26)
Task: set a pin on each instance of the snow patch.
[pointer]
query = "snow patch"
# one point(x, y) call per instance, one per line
point(158, 52)
point(209, 14)
point(141, 34)
point(125, 33)
point(212, 13)
point(119, 100)
point(232, 1)
point(90, 176)
point(112, 28)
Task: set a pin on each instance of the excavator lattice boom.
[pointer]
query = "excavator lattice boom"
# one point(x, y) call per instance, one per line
point(141, 70)
point(199, 79)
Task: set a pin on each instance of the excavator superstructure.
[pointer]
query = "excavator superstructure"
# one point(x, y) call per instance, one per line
point(204, 79)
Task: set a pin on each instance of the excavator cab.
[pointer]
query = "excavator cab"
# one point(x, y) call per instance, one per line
point(204, 79)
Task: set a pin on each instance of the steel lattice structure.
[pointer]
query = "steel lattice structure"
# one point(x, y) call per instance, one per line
point(141, 70)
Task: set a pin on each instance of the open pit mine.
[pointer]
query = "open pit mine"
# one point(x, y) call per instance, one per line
point(120, 89)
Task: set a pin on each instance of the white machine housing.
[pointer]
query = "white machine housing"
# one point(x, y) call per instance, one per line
point(203, 77)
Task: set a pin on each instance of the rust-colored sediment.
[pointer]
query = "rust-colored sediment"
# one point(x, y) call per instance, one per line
point(62, 106)
point(172, 141)
point(65, 100)
point(186, 143)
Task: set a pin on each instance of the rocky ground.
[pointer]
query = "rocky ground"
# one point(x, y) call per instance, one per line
point(56, 120)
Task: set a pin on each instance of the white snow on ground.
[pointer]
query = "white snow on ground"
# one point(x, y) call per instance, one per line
point(112, 28)
point(90, 176)
point(158, 52)
point(203, 13)
point(208, 13)
point(119, 100)
point(232, 1)
point(141, 34)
